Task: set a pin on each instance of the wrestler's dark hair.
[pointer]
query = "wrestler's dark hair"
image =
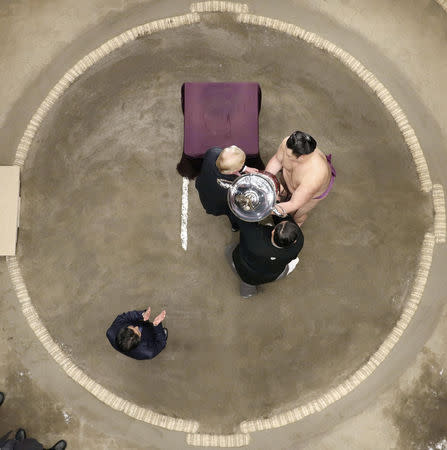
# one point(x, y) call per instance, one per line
point(286, 233)
point(127, 339)
point(301, 143)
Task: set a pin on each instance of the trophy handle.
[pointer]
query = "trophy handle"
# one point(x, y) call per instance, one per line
point(279, 211)
point(224, 183)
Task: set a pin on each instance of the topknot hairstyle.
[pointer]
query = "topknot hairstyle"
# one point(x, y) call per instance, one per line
point(301, 143)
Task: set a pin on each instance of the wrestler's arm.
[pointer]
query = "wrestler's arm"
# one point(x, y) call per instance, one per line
point(299, 198)
point(275, 163)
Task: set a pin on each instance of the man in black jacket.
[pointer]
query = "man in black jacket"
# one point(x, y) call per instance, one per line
point(227, 164)
point(133, 335)
point(265, 253)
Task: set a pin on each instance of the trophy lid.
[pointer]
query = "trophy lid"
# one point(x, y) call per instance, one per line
point(252, 196)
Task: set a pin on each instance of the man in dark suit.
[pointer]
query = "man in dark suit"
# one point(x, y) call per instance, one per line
point(133, 335)
point(227, 164)
point(265, 253)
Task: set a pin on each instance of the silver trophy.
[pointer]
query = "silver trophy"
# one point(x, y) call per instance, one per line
point(252, 197)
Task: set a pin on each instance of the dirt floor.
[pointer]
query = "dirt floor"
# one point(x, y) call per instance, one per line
point(100, 229)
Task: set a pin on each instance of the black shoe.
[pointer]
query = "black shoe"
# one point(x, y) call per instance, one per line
point(2, 398)
point(166, 332)
point(20, 435)
point(59, 445)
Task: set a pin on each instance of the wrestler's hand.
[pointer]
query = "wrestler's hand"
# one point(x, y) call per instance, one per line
point(250, 170)
point(159, 318)
point(279, 211)
point(147, 314)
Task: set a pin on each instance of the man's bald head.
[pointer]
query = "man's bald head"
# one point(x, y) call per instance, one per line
point(231, 159)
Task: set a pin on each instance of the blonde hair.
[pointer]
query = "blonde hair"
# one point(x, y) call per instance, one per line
point(230, 159)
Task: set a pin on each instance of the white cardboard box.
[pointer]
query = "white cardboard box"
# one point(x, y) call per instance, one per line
point(9, 208)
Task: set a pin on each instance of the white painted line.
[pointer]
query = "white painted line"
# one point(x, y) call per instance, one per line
point(10, 208)
point(184, 219)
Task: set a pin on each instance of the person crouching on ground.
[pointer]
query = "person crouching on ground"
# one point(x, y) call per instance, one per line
point(133, 335)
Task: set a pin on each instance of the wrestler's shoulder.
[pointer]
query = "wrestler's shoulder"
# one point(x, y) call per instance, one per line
point(283, 144)
point(320, 161)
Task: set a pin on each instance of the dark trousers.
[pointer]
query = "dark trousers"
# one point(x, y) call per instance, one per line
point(12, 444)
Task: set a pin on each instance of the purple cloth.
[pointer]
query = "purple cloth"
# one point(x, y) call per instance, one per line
point(220, 115)
point(331, 183)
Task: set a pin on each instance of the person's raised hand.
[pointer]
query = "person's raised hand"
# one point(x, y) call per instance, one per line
point(159, 318)
point(250, 170)
point(147, 314)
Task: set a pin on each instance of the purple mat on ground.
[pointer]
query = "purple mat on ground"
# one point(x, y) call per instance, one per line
point(219, 115)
